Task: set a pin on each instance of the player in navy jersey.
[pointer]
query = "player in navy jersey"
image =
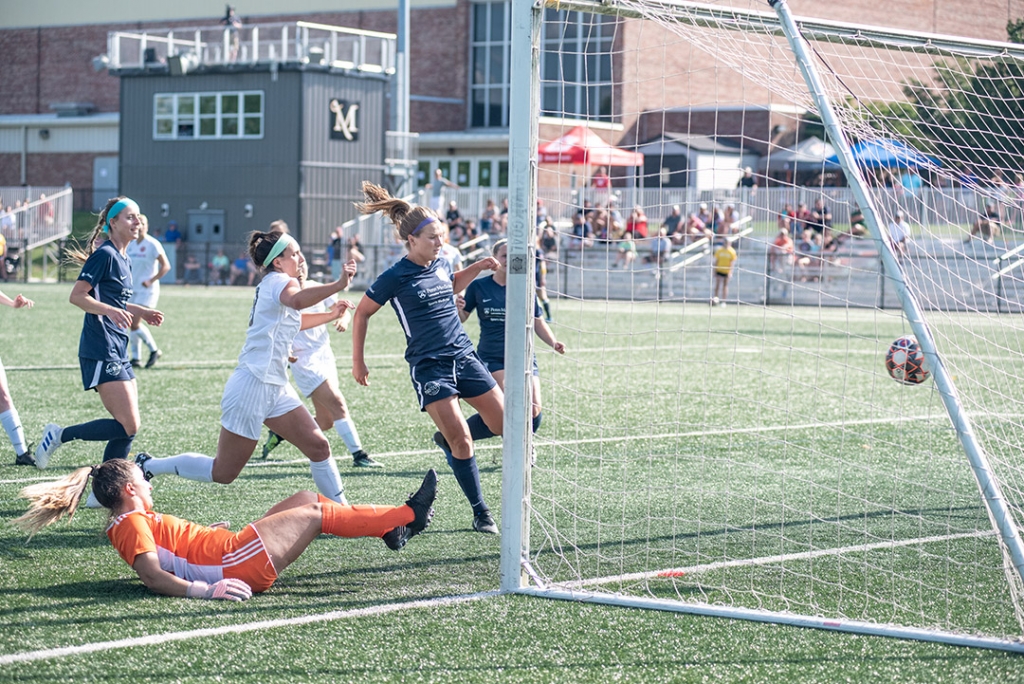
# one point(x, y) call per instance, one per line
point(444, 367)
point(103, 291)
point(486, 296)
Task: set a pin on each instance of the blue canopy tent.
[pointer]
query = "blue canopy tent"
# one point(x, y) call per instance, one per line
point(888, 154)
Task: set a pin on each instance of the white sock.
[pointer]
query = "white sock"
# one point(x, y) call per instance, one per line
point(93, 502)
point(147, 337)
point(190, 466)
point(347, 430)
point(134, 344)
point(328, 480)
point(12, 425)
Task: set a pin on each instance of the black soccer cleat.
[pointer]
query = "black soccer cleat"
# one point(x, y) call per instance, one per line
point(140, 461)
point(153, 358)
point(395, 539)
point(440, 441)
point(25, 459)
point(361, 459)
point(421, 502)
point(483, 522)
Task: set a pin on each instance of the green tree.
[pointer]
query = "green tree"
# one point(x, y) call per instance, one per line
point(969, 114)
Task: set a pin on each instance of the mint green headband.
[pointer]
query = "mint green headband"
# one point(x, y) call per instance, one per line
point(279, 246)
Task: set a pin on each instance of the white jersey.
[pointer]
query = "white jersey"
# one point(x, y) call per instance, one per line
point(272, 327)
point(311, 339)
point(145, 256)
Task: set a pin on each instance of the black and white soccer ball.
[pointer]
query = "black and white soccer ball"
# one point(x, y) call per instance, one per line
point(905, 361)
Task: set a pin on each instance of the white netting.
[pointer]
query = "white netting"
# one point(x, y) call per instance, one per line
point(758, 455)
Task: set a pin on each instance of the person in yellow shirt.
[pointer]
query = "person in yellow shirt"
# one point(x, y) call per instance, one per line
point(724, 258)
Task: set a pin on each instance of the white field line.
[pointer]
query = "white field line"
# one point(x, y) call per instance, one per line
point(768, 560)
point(343, 368)
point(158, 639)
point(593, 440)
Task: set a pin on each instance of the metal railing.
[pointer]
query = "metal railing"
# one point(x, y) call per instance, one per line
point(299, 42)
point(943, 210)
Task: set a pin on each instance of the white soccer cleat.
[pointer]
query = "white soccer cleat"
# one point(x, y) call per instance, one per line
point(93, 502)
point(48, 444)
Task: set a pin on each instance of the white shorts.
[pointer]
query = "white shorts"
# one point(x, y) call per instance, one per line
point(248, 401)
point(312, 369)
point(145, 297)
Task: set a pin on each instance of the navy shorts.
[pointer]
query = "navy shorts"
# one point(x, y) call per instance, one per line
point(495, 365)
point(95, 373)
point(436, 379)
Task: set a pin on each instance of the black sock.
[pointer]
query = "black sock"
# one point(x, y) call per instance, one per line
point(468, 476)
point(547, 309)
point(118, 448)
point(478, 428)
point(102, 430)
point(536, 422)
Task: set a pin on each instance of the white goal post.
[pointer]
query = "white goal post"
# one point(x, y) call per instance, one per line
point(755, 461)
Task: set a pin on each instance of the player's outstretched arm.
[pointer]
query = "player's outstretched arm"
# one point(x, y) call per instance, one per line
point(158, 580)
point(298, 297)
point(545, 333)
point(462, 279)
point(313, 320)
point(366, 308)
point(19, 302)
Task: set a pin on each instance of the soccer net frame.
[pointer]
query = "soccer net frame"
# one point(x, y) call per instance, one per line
point(528, 533)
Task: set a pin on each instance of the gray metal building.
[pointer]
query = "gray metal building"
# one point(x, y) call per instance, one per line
point(289, 161)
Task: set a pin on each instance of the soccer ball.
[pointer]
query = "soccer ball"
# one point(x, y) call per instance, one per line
point(905, 361)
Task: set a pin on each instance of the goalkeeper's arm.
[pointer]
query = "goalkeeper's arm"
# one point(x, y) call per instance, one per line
point(160, 581)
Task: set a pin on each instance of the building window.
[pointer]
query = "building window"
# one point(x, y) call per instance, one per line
point(208, 116)
point(576, 65)
point(489, 56)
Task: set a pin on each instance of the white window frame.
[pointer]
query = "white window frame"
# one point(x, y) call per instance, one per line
point(487, 45)
point(180, 122)
point(593, 31)
point(590, 29)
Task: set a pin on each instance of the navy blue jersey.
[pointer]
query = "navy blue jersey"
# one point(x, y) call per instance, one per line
point(488, 299)
point(424, 300)
point(110, 275)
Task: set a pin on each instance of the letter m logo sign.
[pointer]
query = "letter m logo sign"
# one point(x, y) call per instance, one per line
point(344, 124)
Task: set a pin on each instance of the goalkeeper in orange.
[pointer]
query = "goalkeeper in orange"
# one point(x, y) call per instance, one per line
point(176, 557)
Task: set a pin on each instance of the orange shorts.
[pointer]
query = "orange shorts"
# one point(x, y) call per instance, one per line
point(249, 561)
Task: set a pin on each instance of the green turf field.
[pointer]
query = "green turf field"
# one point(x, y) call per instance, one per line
point(678, 406)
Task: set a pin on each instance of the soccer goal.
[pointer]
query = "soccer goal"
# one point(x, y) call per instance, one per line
point(723, 436)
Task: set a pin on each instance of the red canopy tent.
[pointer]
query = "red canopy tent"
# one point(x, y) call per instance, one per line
point(582, 146)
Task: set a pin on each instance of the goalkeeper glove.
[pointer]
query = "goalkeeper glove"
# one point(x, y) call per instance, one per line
point(229, 589)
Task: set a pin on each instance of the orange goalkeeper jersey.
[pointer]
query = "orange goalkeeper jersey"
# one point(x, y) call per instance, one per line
point(187, 550)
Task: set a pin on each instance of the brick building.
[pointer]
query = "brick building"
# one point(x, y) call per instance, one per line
point(59, 117)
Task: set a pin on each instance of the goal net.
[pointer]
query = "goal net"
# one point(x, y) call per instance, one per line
point(735, 445)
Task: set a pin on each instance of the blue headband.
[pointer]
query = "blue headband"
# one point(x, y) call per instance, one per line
point(279, 246)
point(118, 207)
point(425, 222)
